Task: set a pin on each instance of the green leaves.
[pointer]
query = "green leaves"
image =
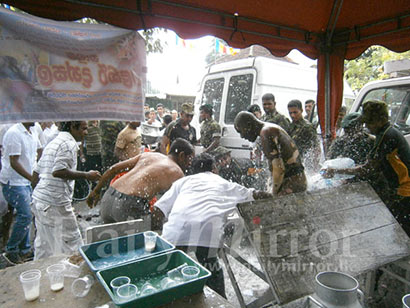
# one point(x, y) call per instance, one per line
point(369, 66)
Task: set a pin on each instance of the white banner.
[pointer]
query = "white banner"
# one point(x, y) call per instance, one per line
point(65, 71)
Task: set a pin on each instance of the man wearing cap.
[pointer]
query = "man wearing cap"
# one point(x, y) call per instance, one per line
point(355, 143)
point(181, 128)
point(271, 115)
point(256, 110)
point(304, 135)
point(390, 155)
point(283, 157)
point(210, 129)
point(228, 167)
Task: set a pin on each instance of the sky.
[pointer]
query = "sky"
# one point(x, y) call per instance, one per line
point(180, 68)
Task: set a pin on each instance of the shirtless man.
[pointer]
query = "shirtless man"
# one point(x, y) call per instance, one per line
point(149, 173)
point(283, 156)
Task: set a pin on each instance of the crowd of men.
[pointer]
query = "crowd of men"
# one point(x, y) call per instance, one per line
point(195, 192)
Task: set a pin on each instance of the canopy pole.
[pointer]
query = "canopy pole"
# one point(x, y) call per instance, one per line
point(328, 134)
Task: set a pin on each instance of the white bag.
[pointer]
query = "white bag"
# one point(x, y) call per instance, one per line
point(339, 163)
point(316, 181)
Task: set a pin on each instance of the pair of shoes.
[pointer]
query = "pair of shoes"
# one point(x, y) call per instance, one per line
point(13, 258)
point(25, 257)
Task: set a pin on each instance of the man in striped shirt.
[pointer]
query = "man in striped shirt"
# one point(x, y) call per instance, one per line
point(53, 178)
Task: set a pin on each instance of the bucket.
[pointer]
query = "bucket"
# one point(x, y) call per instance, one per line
point(335, 289)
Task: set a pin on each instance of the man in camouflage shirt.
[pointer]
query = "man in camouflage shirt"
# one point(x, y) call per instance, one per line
point(227, 166)
point(109, 133)
point(210, 129)
point(271, 115)
point(304, 135)
point(355, 143)
point(180, 128)
point(310, 107)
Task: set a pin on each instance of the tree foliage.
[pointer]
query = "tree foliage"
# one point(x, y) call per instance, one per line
point(369, 66)
point(152, 42)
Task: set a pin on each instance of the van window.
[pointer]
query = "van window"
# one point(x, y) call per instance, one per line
point(239, 96)
point(398, 99)
point(212, 95)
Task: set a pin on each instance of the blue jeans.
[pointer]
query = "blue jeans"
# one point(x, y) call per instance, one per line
point(19, 197)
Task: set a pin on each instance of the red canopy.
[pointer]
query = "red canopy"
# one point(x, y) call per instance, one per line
point(329, 31)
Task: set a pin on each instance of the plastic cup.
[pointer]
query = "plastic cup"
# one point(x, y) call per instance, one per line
point(190, 272)
point(150, 240)
point(175, 273)
point(147, 289)
point(30, 280)
point(56, 275)
point(118, 282)
point(167, 283)
point(81, 286)
point(127, 292)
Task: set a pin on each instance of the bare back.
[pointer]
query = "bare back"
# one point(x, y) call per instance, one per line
point(154, 172)
point(275, 141)
point(284, 160)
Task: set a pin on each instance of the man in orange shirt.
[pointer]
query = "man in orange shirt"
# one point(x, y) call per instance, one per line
point(128, 142)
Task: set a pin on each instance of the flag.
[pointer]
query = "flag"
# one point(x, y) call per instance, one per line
point(224, 49)
point(185, 44)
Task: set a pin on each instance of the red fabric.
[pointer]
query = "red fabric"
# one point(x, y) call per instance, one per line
point(117, 177)
point(279, 25)
point(151, 204)
point(336, 65)
point(216, 17)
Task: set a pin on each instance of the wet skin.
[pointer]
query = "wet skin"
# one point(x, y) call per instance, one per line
point(148, 174)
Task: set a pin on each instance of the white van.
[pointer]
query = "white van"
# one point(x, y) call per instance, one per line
point(233, 86)
point(396, 93)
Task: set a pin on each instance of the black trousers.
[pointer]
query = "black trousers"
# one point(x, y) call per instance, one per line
point(208, 257)
point(400, 208)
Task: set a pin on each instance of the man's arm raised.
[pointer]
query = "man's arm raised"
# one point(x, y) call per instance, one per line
point(108, 175)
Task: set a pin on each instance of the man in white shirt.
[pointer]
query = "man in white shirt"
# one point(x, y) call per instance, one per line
point(18, 158)
point(37, 131)
point(196, 207)
point(54, 175)
point(50, 131)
